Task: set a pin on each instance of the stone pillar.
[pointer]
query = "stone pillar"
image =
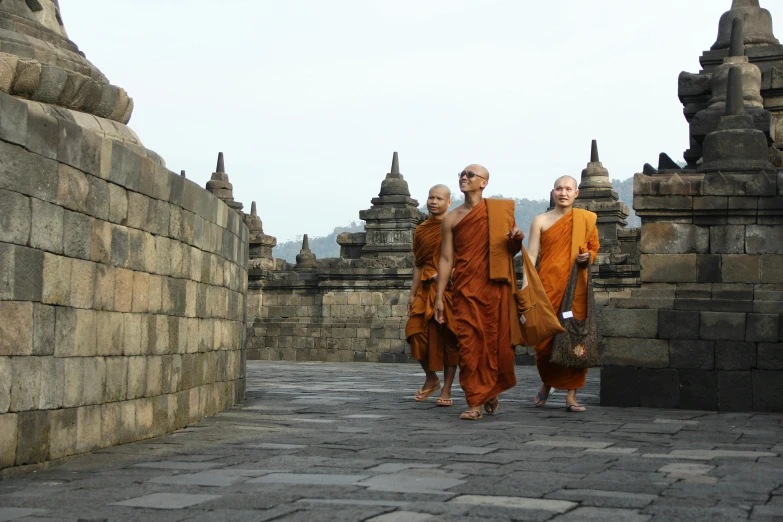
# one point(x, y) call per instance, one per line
point(392, 219)
point(704, 331)
point(596, 194)
point(221, 187)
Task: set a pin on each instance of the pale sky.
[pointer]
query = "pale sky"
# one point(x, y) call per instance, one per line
point(308, 99)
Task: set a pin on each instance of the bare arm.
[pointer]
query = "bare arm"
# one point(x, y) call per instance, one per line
point(534, 240)
point(417, 270)
point(445, 264)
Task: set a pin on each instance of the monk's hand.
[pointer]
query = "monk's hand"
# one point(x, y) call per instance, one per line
point(439, 317)
point(411, 299)
point(515, 233)
point(435, 277)
point(583, 258)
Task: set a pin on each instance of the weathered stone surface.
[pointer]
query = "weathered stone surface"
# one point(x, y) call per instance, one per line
point(8, 439)
point(28, 274)
point(740, 268)
point(620, 351)
point(63, 433)
point(619, 386)
point(56, 280)
point(678, 324)
point(722, 326)
point(52, 383)
point(692, 354)
point(698, 389)
point(629, 323)
point(767, 390)
point(659, 388)
point(16, 328)
point(118, 204)
point(120, 245)
point(123, 290)
point(735, 355)
point(100, 241)
point(26, 383)
point(47, 226)
point(104, 287)
point(764, 239)
point(76, 235)
point(729, 239)
point(762, 328)
point(33, 446)
point(769, 356)
point(6, 374)
point(82, 284)
point(771, 269)
point(663, 268)
point(674, 238)
point(88, 428)
point(15, 220)
point(735, 391)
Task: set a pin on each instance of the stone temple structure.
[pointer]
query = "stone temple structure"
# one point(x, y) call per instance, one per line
point(122, 284)
point(704, 332)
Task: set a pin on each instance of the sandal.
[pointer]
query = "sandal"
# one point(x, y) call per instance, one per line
point(471, 415)
point(575, 408)
point(422, 395)
point(444, 402)
point(540, 400)
point(492, 406)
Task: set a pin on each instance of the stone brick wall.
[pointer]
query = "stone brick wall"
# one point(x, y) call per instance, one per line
point(704, 331)
point(122, 289)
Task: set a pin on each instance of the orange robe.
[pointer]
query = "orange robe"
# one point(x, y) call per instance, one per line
point(560, 245)
point(481, 305)
point(431, 343)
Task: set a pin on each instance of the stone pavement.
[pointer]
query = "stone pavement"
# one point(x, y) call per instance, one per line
point(346, 442)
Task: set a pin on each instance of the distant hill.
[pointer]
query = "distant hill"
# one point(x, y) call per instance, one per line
point(525, 211)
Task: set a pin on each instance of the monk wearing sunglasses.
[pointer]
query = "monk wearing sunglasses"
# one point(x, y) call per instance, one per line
point(478, 242)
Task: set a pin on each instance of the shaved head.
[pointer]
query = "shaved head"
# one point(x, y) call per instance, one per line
point(442, 188)
point(478, 169)
point(563, 178)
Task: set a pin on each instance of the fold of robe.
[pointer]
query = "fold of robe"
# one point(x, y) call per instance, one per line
point(431, 343)
point(481, 317)
point(560, 245)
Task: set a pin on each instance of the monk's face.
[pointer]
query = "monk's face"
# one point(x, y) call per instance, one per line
point(438, 202)
point(565, 192)
point(473, 178)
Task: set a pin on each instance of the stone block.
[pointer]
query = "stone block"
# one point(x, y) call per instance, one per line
point(139, 211)
point(136, 249)
point(52, 383)
point(619, 386)
point(110, 333)
point(131, 339)
point(674, 238)
point(6, 375)
point(678, 324)
point(664, 268)
point(73, 381)
point(9, 432)
point(698, 390)
point(111, 423)
point(63, 432)
point(125, 164)
point(629, 323)
point(764, 239)
point(123, 290)
point(27, 173)
point(659, 388)
point(88, 428)
point(82, 283)
point(762, 328)
point(77, 235)
point(104, 287)
point(160, 213)
point(144, 417)
point(767, 391)
point(97, 202)
point(120, 245)
point(15, 220)
point(740, 268)
point(94, 389)
point(728, 239)
point(73, 188)
point(771, 268)
point(137, 377)
point(6, 271)
point(146, 176)
point(735, 391)
point(621, 351)
point(13, 126)
point(692, 354)
point(141, 288)
point(28, 274)
point(163, 255)
point(735, 355)
point(85, 334)
point(56, 280)
point(46, 231)
point(43, 329)
point(16, 328)
point(154, 378)
point(708, 269)
point(722, 326)
point(25, 383)
point(769, 356)
point(118, 204)
point(100, 241)
point(33, 443)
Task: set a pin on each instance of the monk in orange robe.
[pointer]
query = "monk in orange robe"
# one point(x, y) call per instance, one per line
point(563, 236)
point(479, 241)
point(433, 344)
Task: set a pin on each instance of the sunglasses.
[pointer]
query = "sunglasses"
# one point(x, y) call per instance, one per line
point(469, 175)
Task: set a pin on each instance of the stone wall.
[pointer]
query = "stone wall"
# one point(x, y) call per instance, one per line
point(122, 289)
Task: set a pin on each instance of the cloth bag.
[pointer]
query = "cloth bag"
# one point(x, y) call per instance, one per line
point(538, 318)
point(577, 345)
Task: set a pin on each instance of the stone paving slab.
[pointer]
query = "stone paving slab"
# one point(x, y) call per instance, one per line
point(346, 442)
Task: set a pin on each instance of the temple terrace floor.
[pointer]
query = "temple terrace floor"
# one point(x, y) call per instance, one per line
point(346, 442)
